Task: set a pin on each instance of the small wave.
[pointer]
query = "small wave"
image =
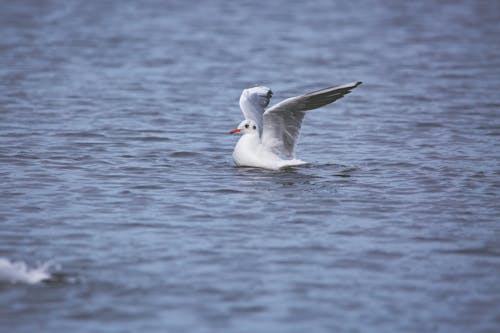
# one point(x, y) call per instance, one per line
point(19, 272)
point(184, 154)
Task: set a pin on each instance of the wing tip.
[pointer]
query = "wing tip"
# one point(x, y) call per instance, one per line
point(260, 95)
point(351, 85)
point(257, 89)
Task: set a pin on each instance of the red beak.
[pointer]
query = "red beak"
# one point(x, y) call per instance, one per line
point(236, 130)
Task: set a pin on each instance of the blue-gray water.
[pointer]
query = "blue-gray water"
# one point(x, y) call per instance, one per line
point(115, 167)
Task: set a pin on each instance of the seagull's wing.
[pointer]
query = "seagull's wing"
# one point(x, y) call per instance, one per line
point(282, 121)
point(253, 102)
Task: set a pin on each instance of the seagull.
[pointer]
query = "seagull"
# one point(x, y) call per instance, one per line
point(269, 135)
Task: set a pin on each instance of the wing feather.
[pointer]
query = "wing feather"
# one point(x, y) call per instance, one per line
point(282, 121)
point(253, 102)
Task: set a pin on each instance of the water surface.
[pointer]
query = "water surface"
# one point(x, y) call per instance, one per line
point(116, 167)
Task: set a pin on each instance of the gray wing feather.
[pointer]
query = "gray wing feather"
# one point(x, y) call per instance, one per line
point(253, 102)
point(282, 121)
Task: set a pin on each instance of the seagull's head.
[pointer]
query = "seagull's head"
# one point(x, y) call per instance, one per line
point(247, 126)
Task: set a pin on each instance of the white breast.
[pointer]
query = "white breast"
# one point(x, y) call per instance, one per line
point(250, 152)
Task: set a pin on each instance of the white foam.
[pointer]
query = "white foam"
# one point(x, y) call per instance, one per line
point(14, 272)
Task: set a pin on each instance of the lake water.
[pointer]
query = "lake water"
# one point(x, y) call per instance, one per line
point(117, 179)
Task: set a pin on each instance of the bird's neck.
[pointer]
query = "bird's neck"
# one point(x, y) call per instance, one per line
point(249, 140)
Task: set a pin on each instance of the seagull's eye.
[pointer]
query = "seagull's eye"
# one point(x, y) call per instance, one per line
point(246, 126)
point(254, 127)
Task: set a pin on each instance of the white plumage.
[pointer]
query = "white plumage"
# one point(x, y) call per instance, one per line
point(269, 136)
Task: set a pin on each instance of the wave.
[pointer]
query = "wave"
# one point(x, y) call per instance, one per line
point(19, 272)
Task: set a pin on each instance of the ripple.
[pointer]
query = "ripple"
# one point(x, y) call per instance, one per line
point(152, 139)
point(86, 134)
point(474, 251)
point(428, 124)
point(147, 187)
point(225, 191)
point(184, 154)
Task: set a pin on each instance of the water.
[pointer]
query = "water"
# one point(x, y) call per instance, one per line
point(117, 179)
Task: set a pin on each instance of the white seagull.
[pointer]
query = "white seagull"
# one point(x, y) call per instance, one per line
point(269, 136)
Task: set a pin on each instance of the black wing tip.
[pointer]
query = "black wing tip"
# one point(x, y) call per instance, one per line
point(351, 85)
point(342, 87)
point(269, 94)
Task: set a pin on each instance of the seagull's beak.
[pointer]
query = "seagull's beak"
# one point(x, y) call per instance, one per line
point(236, 130)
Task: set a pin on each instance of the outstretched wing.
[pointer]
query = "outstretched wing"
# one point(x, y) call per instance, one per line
point(253, 102)
point(282, 121)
